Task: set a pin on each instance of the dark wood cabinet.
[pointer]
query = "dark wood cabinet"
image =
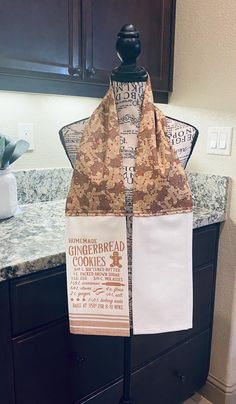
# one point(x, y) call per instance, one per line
point(153, 19)
point(6, 364)
point(98, 362)
point(174, 376)
point(40, 36)
point(169, 379)
point(29, 308)
point(52, 366)
point(42, 361)
point(68, 47)
point(147, 347)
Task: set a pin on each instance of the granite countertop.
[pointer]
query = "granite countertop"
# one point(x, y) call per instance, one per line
point(33, 240)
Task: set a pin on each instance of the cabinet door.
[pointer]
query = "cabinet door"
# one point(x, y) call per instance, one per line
point(98, 362)
point(54, 367)
point(6, 368)
point(42, 366)
point(30, 307)
point(40, 37)
point(152, 18)
point(205, 245)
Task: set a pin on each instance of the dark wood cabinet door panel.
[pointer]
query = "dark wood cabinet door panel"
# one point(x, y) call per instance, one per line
point(42, 363)
point(147, 347)
point(203, 297)
point(51, 365)
point(40, 36)
point(103, 20)
point(68, 46)
point(98, 361)
point(6, 365)
point(38, 299)
point(175, 376)
point(205, 244)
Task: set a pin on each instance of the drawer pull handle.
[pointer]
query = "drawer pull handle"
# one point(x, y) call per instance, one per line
point(181, 377)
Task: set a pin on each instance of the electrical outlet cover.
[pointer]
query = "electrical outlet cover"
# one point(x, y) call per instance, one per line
point(25, 131)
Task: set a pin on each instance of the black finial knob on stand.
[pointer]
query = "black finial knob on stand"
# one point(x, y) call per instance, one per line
point(128, 48)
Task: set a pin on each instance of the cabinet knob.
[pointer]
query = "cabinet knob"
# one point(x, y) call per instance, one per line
point(91, 72)
point(79, 359)
point(181, 376)
point(74, 71)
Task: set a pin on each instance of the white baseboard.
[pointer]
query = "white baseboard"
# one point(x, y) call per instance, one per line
point(217, 392)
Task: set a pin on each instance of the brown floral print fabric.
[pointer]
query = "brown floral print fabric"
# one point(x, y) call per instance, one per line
point(97, 187)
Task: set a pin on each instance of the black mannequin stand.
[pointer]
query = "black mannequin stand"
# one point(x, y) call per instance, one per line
point(128, 48)
point(126, 399)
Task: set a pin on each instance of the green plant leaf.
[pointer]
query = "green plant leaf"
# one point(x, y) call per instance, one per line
point(20, 147)
point(7, 140)
point(2, 148)
point(8, 152)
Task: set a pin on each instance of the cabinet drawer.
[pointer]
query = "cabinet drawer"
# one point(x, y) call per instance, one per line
point(168, 380)
point(205, 245)
point(175, 376)
point(148, 347)
point(38, 299)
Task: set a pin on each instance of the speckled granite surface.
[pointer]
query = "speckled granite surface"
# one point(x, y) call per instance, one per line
point(209, 191)
point(33, 240)
point(42, 185)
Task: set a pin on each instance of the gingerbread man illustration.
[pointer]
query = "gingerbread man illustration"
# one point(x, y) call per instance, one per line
point(115, 260)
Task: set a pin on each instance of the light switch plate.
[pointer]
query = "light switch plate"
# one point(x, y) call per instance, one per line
point(219, 140)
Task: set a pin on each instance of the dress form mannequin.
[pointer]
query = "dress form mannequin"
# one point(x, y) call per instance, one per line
point(128, 84)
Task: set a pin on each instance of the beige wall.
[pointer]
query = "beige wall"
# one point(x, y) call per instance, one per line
point(48, 113)
point(205, 95)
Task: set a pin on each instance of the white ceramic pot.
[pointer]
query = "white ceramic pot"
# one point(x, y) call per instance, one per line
point(8, 193)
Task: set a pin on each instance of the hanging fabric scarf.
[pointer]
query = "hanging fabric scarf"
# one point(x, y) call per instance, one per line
point(97, 274)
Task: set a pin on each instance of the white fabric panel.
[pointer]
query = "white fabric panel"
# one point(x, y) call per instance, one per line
point(97, 275)
point(162, 273)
